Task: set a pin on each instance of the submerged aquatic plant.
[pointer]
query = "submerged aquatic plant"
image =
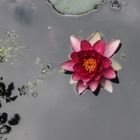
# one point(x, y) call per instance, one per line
point(6, 124)
point(91, 63)
point(30, 87)
point(10, 46)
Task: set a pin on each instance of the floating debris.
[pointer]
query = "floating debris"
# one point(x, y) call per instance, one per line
point(117, 4)
point(34, 6)
point(23, 90)
point(44, 71)
point(35, 94)
point(38, 60)
point(75, 7)
point(43, 65)
point(10, 45)
point(49, 27)
point(28, 88)
point(123, 54)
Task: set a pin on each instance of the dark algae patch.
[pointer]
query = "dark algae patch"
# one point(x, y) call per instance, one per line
point(6, 91)
point(14, 120)
point(7, 124)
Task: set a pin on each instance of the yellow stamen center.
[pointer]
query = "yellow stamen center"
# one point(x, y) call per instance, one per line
point(90, 64)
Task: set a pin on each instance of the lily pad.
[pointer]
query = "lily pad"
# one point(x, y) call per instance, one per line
point(75, 7)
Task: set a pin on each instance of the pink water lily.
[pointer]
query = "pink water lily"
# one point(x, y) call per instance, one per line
point(91, 64)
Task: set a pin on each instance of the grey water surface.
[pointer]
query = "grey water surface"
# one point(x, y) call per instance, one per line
point(58, 113)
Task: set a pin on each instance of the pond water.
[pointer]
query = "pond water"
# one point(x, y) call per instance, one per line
point(37, 101)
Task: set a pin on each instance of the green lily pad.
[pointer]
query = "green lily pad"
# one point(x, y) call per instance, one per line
point(75, 7)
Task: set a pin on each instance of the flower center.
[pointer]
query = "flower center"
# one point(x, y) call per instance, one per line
point(90, 64)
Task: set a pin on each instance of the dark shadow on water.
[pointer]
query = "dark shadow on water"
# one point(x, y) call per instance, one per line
point(23, 15)
point(68, 72)
point(96, 92)
point(116, 80)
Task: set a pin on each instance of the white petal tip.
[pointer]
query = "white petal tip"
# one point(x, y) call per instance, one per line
point(94, 37)
point(75, 42)
point(69, 56)
point(72, 37)
point(117, 42)
point(110, 91)
point(71, 81)
point(107, 85)
point(61, 70)
point(116, 65)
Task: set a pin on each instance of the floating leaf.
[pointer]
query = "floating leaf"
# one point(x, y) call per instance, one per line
point(75, 7)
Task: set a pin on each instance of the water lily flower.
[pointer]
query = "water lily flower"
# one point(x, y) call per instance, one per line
point(91, 63)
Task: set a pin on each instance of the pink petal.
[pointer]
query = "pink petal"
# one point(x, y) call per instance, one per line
point(78, 68)
point(109, 73)
point(76, 76)
point(86, 78)
point(81, 87)
point(99, 46)
point(107, 85)
point(75, 42)
point(93, 85)
point(111, 48)
point(85, 45)
point(74, 57)
point(97, 77)
point(106, 63)
point(68, 65)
